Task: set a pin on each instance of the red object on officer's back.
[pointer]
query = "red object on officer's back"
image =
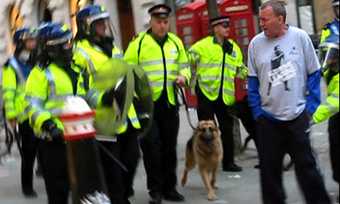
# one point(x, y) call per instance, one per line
point(241, 89)
point(78, 126)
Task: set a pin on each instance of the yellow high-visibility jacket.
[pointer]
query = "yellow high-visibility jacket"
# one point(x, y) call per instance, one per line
point(161, 64)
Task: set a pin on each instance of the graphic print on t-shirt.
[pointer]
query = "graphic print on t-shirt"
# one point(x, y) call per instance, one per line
point(280, 73)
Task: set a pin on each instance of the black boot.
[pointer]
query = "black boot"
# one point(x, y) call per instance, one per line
point(156, 198)
point(173, 195)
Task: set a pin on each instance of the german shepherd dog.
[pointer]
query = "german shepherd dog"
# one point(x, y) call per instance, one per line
point(204, 149)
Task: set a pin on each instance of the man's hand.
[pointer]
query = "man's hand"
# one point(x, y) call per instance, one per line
point(180, 80)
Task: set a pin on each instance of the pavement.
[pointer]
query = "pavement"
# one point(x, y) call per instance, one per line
point(233, 188)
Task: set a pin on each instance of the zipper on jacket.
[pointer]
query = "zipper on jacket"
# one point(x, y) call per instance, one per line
point(165, 72)
point(220, 93)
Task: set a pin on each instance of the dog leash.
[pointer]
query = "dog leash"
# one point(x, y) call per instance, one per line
point(181, 93)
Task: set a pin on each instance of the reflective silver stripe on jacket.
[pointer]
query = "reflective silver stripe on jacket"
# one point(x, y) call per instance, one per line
point(157, 62)
point(88, 59)
point(228, 92)
point(161, 72)
point(92, 97)
point(14, 63)
point(217, 65)
point(160, 84)
point(184, 65)
point(36, 105)
point(331, 107)
point(118, 56)
point(51, 82)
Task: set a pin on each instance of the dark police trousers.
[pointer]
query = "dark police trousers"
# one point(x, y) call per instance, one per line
point(29, 152)
point(126, 150)
point(334, 145)
point(159, 147)
point(55, 172)
point(275, 140)
point(243, 112)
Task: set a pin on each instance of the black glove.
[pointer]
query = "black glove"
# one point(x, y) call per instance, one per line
point(227, 47)
point(54, 132)
point(108, 97)
point(118, 92)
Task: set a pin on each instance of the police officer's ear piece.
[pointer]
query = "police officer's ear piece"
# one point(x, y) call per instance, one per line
point(227, 47)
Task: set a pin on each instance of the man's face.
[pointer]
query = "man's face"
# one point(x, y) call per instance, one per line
point(30, 44)
point(159, 26)
point(270, 23)
point(100, 28)
point(222, 30)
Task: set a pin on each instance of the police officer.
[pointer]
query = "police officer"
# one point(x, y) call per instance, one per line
point(95, 46)
point(331, 28)
point(329, 57)
point(54, 78)
point(218, 60)
point(15, 73)
point(162, 56)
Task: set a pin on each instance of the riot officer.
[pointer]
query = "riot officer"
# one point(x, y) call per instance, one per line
point(94, 47)
point(329, 58)
point(218, 60)
point(15, 73)
point(54, 78)
point(162, 56)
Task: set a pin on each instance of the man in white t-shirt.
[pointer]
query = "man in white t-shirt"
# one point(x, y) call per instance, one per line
point(283, 92)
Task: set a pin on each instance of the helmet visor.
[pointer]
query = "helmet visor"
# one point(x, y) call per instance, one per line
point(102, 28)
point(65, 40)
point(329, 56)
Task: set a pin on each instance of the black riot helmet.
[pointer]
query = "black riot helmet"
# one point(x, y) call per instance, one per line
point(20, 40)
point(55, 44)
point(88, 17)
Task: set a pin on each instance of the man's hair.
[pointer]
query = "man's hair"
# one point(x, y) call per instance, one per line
point(277, 6)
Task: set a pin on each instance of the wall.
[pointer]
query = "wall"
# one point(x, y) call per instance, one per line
point(324, 13)
point(141, 16)
point(111, 7)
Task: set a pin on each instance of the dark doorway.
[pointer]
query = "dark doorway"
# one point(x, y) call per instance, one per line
point(126, 22)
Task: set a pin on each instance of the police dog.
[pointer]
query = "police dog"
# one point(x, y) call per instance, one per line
point(204, 149)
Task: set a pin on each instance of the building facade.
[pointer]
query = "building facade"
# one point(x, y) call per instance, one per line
point(129, 16)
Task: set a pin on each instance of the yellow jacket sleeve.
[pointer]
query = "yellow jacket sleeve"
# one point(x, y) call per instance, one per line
point(36, 93)
point(9, 85)
point(331, 105)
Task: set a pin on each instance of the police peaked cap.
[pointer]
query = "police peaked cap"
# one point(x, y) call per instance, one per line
point(335, 2)
point(219, 20)
point(160, 10)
